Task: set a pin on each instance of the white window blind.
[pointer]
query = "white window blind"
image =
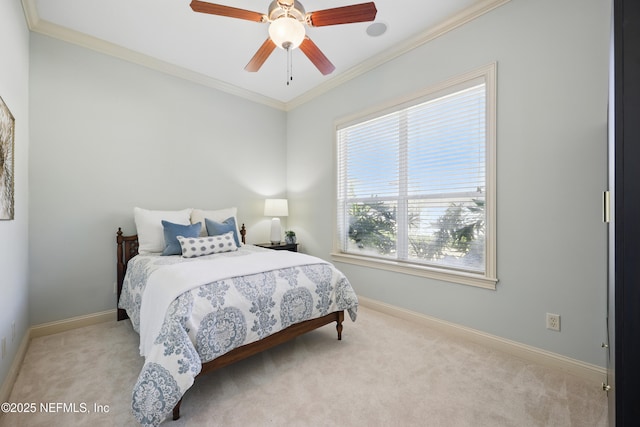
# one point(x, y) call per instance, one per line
point(412, 181)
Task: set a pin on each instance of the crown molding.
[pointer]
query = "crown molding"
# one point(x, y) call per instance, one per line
point(31, 13)
point(93, 43)
point(452, 23)
point(52, 30)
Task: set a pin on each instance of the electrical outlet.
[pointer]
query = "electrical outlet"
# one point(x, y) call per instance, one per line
point(4, 347)
point(553, 321)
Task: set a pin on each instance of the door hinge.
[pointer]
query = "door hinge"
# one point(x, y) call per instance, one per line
point(606, 207)
point(606, 387)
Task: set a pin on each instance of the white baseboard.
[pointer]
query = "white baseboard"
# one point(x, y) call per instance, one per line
point(12, 375)
point(589, 372)
point(43, 330)
point(72, 323)
point(586, 371)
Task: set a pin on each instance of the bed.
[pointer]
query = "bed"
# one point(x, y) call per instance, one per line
point(242, 302)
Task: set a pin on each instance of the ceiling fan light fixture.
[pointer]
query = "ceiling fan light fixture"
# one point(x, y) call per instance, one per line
point(286, 29)
point(286, 32)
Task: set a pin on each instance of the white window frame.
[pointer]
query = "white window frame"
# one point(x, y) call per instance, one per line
point(488, 279)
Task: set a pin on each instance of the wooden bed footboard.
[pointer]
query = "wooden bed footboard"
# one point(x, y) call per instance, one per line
point(273, 340)
point(127, 248)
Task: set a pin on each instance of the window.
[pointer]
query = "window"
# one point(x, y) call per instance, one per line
point(416, 184)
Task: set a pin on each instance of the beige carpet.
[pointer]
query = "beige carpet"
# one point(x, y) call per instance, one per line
point(385, 372)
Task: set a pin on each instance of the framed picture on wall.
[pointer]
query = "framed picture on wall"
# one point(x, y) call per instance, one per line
point(7, 126)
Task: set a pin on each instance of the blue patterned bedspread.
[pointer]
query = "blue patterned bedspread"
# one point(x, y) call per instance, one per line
point(213, 319)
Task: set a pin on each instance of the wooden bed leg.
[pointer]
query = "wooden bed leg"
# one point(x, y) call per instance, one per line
point(176, 410)
point(339, 321)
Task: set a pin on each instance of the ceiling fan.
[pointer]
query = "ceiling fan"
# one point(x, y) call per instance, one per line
point(286, 29)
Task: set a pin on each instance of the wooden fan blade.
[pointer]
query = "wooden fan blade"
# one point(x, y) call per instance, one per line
point(316, 56)
point(221, 10)
point(261, 56)
point(344, 15)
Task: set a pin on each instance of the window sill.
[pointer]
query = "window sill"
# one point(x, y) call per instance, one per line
point(459, 277)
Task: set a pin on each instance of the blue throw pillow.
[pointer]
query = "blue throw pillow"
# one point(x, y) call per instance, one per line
point(215, 228)
point(172, 231)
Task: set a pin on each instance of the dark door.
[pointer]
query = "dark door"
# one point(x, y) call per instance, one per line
point(624, 295)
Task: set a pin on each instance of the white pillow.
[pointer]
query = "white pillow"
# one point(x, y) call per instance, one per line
point(198, 215)
point(149, 227)
point(198, 246)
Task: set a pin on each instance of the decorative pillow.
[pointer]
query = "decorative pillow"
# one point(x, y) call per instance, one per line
point(149, 227)
point(215, 228)
point(198, 246)
point(172, 231)
point(198, 215)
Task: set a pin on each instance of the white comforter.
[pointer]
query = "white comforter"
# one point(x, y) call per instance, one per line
point(191, 311)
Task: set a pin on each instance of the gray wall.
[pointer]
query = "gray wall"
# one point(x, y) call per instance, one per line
point(552, 111)
point(108, 135)
point(14, 90)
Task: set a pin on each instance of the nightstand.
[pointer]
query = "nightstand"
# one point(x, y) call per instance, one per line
point(293, 247)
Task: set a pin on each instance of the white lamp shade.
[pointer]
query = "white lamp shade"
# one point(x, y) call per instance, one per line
point(286, 30)
point(276, 207)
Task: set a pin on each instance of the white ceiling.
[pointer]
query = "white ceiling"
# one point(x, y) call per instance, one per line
point(213, 50)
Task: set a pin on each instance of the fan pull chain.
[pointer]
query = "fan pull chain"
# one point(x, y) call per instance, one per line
point(289, 64)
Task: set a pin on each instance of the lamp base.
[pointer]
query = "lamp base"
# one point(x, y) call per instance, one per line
point(276, 231)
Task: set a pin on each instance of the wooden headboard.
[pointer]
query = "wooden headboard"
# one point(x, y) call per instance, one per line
point(127, 248)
